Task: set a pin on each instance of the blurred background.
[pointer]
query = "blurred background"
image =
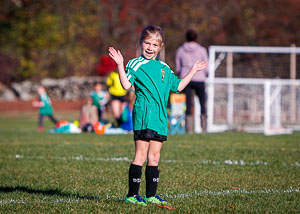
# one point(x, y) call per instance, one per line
point(62, 44)
point(57, 39)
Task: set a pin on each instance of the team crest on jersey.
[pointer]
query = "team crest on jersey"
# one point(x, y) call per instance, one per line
point(163, 74)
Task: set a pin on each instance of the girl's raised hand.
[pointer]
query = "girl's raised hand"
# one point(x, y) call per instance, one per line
point(116, 56)
point(199, 65)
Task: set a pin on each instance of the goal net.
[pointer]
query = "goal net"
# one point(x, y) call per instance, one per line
point(253, 89)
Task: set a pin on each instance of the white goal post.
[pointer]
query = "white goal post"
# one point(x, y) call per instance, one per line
point(253, 89)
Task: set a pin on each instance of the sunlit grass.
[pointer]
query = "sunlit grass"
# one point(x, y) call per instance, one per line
point(87, 173)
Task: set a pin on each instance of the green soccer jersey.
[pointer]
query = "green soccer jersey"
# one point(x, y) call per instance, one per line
point(153, 80)
point(97, 98)
point(46, 109)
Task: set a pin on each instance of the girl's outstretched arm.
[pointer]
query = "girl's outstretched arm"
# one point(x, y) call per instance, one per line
point(185, 80)
point(118, 58)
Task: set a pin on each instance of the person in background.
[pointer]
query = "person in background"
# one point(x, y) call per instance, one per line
point(45, 107)
point(117, 95)
point(99, 98)
point(88, 116)
point(126, 116)
point(186, 56)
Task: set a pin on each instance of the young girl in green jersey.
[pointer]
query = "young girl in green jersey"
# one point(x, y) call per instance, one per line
point(44, 104)
point(153, 80)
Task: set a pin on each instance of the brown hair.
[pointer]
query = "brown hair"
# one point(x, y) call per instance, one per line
point(191, 35)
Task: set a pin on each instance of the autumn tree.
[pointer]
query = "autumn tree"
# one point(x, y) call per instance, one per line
point(40, 38)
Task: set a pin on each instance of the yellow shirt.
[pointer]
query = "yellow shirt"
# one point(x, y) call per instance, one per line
point(114, 84)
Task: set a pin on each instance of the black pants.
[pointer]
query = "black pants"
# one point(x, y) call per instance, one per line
point(41, 118)
point(99, 111)
point(199, 88)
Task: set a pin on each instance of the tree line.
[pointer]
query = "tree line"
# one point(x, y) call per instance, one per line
point(60, 38)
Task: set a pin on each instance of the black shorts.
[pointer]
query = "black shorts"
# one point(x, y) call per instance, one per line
point(148, 134)
point(120, 98)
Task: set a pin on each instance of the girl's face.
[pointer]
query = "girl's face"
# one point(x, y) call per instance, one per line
point(151, 47)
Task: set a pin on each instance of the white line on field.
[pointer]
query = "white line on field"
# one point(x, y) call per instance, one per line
point(235, 191)
point(126, 159)
point(46, 200)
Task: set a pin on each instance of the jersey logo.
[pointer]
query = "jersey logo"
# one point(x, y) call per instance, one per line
point(163, 75)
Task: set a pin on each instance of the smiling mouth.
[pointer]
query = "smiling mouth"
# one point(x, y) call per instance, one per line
point(149, 53)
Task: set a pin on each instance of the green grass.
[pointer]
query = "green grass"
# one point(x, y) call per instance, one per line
point(87, 173)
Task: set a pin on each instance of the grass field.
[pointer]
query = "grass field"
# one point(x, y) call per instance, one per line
point(86, 173)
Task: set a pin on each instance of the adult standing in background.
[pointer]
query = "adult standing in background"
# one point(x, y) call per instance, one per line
point(186, 56)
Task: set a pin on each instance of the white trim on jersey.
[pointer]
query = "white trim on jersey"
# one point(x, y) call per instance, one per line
point(139, 59)
point(132, 61)
point(164, 64)
point(167, 66)
point(139, 64)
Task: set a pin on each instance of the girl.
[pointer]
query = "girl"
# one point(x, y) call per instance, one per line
point(153, 79)
point(99, 98)
point(44, 104)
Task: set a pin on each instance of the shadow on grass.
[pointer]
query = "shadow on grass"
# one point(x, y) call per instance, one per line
point(56, 192)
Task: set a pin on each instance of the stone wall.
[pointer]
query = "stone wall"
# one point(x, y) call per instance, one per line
point(71, 88)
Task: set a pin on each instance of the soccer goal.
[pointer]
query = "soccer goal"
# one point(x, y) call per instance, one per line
point(253, 89)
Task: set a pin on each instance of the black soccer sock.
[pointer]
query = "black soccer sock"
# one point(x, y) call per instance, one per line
point(135, 174)
point(152, 178)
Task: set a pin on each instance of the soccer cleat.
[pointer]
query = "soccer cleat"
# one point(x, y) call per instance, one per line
point(136, 199)
point(156, 200)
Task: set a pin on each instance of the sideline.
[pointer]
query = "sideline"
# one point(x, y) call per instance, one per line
point(126, 159)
